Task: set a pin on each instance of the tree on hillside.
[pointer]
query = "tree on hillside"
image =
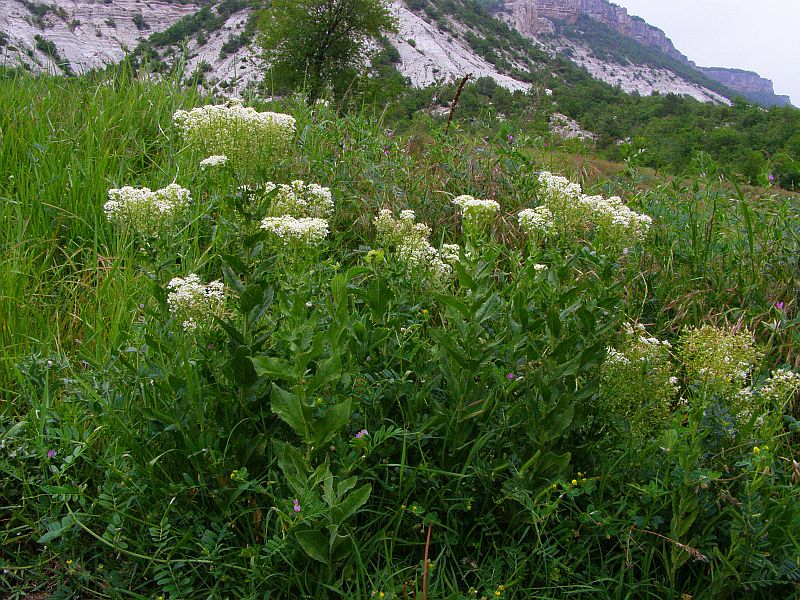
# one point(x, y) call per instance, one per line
point(314, 43)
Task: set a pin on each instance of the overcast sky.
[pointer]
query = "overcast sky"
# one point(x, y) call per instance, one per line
point(756, 35)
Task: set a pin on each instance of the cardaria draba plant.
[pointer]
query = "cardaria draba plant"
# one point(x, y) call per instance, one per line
point(409, 240)
point(145, 212)
point(717, 358)
point(637, 386)
point(194, 303)
point(248, 138)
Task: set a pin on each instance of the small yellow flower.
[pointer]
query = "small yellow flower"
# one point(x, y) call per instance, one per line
point(69, 561)
point(501, 587)
point(756, 450)
point(381, 595)
point(574, 482)
point(580, 474)
point(425, 311)
point(498, 593)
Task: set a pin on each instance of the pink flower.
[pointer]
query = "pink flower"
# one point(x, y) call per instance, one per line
point(51, 453)
point(511, 376)
point(779, 305)
point(361, 434)
point(296, 505)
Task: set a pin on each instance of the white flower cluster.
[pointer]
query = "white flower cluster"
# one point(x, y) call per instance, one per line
point(299, 200)
point(214, 160)
point(393, 232)
point(195, 303)
point(145, 211)
point(410, 241)
point(304, 232)
point(247, 137)
point(614, 218)
point(636, 381)
point(573, 212)
point(475, 213)
point(536, 222)
point(719, 358)
point(782, 386)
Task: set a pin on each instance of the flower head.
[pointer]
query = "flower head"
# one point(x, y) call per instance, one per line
point(144, 211)
point(296, 505)
point(362, 434)
point(214, 160)
point(51, 453)
point(195, 303)
point(289, 231)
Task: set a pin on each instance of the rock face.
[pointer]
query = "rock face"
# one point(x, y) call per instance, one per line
point(85, 33)
point(428, 55)
point(749, 84)
point(534, 17)
point(739, 80)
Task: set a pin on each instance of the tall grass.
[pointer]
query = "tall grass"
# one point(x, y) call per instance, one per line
point(65, 142)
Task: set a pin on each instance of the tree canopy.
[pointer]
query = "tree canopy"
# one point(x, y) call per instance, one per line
point(314, 43)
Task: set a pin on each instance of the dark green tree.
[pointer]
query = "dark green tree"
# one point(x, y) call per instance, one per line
point(314, 43)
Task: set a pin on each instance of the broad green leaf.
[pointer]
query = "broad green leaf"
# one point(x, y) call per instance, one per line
point(335, 418)
point(274, 368)
point(314, 544)
point(351, 504)
point(291, 411)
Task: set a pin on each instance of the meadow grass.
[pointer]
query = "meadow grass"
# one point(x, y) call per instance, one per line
point(142, 462)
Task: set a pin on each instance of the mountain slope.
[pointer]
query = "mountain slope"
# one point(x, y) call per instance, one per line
point(511, 41)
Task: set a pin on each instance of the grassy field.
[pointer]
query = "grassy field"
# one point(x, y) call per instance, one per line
point(558, 412)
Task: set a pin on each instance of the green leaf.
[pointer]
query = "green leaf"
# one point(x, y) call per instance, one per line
point(251, 297)
point(345, 486)
point(454, 303)
point(351, 504)
point(242, 367)
point(334, 419)
point(274, 368)
point(231, 278)
point(291, 411)
point(314, 544)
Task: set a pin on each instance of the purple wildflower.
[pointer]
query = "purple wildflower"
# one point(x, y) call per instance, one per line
point(296, 505)
point(361, 434)
point(51, 453)
point(511, 376)
point(386, 151)
point(779, 305)
point(771, 178)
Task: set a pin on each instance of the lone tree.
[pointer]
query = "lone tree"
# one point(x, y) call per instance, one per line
point(320, 42)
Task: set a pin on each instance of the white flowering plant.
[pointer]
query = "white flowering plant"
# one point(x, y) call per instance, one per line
point(247, 138)
point(194, 303)
point(409, 241)
point(638, 385)
point(299, 199)
point(477, 216)
point(145, 212)
point(565, 210)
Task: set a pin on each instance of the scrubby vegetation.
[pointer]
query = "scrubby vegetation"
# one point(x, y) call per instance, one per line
point(373, 364)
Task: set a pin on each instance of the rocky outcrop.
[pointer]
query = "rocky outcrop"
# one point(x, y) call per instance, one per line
point(739, 80)
point(747, 83)
point(428, 55)
point(85, 34)
point(534, 17)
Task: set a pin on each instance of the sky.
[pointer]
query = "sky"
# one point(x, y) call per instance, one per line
point(755, 35)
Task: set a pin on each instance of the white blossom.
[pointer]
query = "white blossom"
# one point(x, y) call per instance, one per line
point(195, 303)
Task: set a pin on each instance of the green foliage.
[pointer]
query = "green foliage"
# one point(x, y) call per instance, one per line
point(314, 43)
point(306, 440)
